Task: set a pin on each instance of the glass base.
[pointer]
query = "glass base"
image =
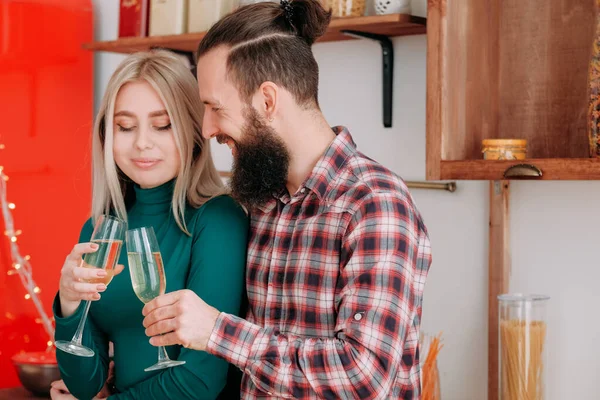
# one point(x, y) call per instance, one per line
point(164, 364)
point(74, 348)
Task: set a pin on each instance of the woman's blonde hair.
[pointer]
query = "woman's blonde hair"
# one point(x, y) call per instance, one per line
point(198, 179)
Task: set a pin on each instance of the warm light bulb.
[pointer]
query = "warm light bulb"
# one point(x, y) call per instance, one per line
point(36, 290)
point(5, 177)
point(49, 343)
point(17, 266)
point(12, 206)
point(27, 257)
point(11, 272)
point(27, 296)
point(18, 232)
point(2, 147)
point(13, 239)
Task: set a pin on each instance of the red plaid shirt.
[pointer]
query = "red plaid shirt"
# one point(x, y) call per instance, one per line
point(335, 284)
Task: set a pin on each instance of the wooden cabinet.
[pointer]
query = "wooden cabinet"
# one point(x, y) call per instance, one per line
point(509, 69)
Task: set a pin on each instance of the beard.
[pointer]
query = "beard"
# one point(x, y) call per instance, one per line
point(260, 166)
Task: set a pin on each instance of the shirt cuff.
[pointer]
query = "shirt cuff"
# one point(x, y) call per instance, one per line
point(72, 319)
point(232, 339)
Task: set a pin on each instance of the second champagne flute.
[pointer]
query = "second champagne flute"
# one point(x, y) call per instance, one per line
point(148, 277)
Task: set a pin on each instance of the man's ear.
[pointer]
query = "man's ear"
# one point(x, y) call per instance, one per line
point(266, 100)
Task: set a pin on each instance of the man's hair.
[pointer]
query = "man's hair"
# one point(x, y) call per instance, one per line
point(272, 42)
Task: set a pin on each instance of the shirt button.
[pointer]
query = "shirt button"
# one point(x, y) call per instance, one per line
point(303, 190)
point(358, 316)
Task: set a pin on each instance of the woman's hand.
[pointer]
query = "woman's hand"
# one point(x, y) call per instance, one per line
point(59, 391)
point(74, 283)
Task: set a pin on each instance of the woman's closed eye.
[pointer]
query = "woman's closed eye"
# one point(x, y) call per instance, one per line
point(125, 128)
point(163, 128)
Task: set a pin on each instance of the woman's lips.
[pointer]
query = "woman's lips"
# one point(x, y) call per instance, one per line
point(145, 163)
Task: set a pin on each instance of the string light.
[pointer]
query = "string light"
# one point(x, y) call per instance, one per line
point(21, 264)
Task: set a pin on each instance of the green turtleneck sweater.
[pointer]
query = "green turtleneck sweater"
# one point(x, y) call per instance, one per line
point(210, 262)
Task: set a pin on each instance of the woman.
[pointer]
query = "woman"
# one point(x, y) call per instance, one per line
point(152, 167)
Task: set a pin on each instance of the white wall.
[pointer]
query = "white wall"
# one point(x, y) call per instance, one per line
point(554, 225)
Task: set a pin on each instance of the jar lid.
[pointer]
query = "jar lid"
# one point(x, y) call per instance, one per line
point(518, 297)
point(504, 142)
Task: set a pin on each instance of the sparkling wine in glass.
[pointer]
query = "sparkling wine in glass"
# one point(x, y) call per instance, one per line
point(108, 234)
point(148, 277)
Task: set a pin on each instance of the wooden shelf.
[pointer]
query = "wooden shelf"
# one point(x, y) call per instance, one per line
point(552, 169)
point(389, 25)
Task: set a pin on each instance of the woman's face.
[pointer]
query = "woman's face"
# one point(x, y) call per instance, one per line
point(144, 146)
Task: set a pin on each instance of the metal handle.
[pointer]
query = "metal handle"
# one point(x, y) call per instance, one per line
point(523, 171)
point(449, 186)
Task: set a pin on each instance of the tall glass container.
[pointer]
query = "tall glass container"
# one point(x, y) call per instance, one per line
point(523, 342)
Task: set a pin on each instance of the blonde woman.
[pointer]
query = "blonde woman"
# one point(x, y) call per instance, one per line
point(152, 167)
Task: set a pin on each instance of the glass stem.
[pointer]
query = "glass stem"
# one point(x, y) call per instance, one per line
point(162, 354)
point(79, 332)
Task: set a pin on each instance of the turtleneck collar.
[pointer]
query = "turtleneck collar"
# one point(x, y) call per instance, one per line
point(155, 200)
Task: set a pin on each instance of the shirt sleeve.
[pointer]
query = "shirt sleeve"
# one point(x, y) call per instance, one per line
point(84, 376)
point(383, 249)
point(217, 276)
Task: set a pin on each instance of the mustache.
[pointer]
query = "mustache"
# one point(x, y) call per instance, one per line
point(222, 139)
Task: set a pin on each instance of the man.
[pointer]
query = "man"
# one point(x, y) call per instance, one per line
point(338, 253)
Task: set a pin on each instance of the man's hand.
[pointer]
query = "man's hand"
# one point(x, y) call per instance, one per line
point(106, 390)
point(182, 318)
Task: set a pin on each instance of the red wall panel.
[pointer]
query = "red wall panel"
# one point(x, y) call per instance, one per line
point(46, 105)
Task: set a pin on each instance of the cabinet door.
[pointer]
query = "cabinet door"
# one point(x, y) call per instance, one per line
point(509, 69)
point(46, 107)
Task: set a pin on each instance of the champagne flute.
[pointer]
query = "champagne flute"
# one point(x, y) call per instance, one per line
point(108, 234)
point(148, 277)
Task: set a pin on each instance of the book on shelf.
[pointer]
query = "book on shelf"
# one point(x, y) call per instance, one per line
point(134, 16)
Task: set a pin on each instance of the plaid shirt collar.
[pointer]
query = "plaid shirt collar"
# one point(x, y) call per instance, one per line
point(325, 170)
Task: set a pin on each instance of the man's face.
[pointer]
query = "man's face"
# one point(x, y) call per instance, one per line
point(260, 157)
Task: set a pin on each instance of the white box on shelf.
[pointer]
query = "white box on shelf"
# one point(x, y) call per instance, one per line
point(168, 17)
point(202, 14)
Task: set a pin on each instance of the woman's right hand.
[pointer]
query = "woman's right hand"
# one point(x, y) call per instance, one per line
point(74, 283)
